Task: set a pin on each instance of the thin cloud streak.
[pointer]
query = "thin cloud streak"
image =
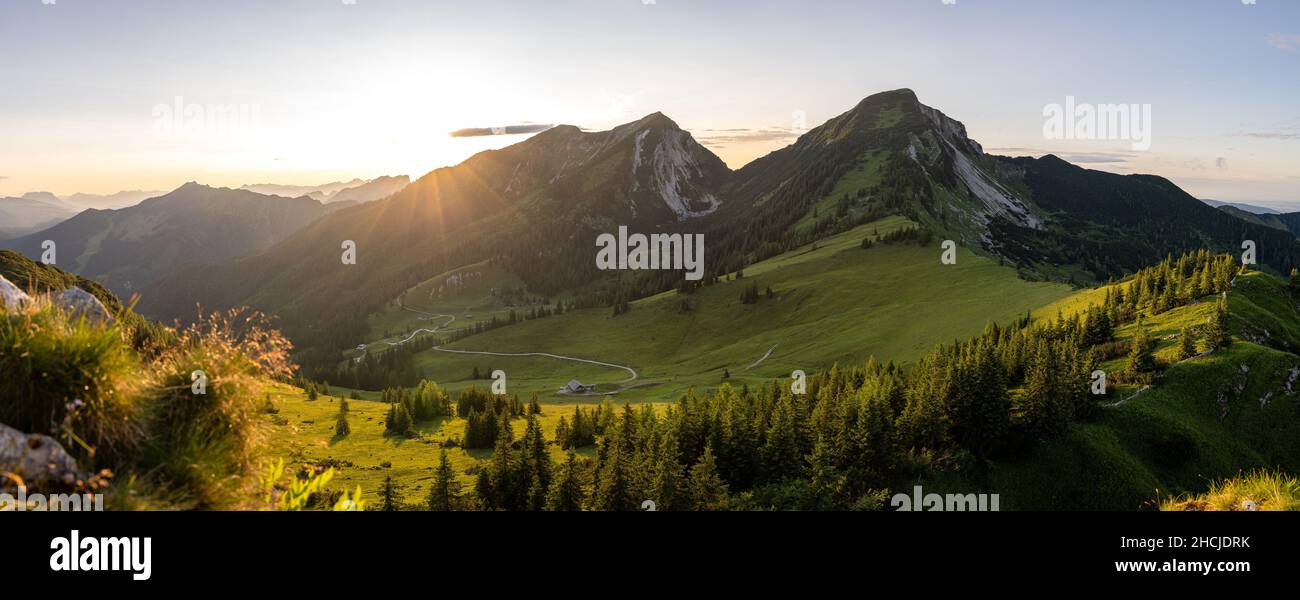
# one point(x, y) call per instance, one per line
point(506, 130)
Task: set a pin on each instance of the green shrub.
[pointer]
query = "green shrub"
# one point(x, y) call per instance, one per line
point(70, 378)
point(202, 445)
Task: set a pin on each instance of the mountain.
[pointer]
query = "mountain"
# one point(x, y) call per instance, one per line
point(890, 154)
point(1251, 208)
point(47, 198)
point(127, 248)
point(111, 201)
point(317, 192)
point(1104, 225)
point(375, 189)
point(535, 205)
point(535, 208)
point(32, 212)
point(34, 278)
point(1288, 222)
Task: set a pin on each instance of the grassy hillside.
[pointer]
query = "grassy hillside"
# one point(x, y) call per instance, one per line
point(832, 301)
point(1206, 418)
point(34, 277)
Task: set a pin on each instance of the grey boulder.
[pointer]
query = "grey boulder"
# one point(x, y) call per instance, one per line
point(11, 296)
point(36, 457)
point(79, 303)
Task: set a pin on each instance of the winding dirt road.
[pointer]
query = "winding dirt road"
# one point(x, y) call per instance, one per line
point(632, 374)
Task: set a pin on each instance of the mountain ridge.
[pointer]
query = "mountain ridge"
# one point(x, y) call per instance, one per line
point(535, 208)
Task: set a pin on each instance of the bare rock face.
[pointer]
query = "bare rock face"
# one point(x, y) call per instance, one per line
point(36, 458)
point(10, 296)
point(80, 303)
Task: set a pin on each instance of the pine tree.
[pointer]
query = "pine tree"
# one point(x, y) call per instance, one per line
point(667, 487)
point(615, 483)
point(484, 492)
point(1141, 357)
point(445, 487)
point(1217, 335)
point(390, 498)
point(398, 420)
point(1047, 407)
point(537, 462)
point(505, 469)
point(707, 490)
point(1186, 344)
point(566, 491)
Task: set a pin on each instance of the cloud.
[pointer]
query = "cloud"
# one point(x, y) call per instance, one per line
point(1221, 163)
point(506, 130)
point(718, 137)
point(3, 177)
point(1094, 157)
point(1073, 157)
point(1272, 135)
point(1284, 41)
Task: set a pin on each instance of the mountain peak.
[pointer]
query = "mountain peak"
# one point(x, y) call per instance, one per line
point(657, 120)
point(42, 197)
point(900, 93)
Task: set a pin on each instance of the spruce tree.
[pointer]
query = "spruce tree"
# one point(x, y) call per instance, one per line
point(667, 487)
point(1217, 335)
point(1141, 357)
point(1186, 344)
point(537, 462)
point(566, 491)
point(615, 486)
point(1047, 406)
point(341, 427)
point(707, 490)
point(505, 469)
point(445, 487)
point(390, 498)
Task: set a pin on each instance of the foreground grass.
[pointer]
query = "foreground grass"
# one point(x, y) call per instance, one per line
point(1260, 490)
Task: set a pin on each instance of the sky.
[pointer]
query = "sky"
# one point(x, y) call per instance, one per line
point(98, 96)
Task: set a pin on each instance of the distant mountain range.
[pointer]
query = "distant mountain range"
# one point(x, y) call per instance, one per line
point(128, 248)
point(369, 191)
point(358, 191)
point(1259, 210)
point(111, 201)
point(32, 212)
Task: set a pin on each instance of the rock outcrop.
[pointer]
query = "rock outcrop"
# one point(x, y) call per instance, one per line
point(37, 458)
point(11, 296)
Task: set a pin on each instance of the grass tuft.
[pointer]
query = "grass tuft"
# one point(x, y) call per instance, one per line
point(69, 378)
point(1258, 490)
